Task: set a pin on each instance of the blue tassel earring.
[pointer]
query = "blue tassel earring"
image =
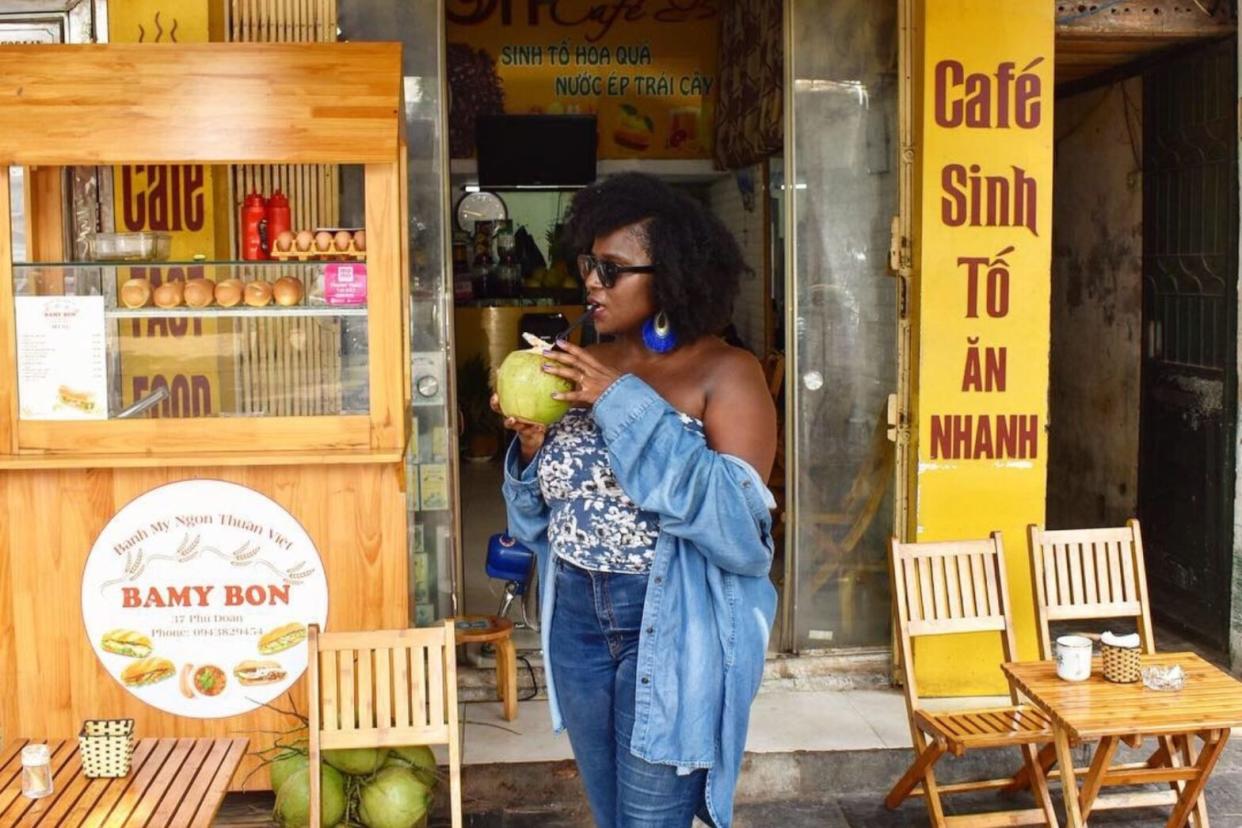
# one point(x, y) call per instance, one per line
point(658, 334)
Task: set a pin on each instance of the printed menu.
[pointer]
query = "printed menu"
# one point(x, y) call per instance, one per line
point(197, 597)
point(62, 369)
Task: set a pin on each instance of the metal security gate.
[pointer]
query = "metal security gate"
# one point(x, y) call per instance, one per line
point(1189, 388)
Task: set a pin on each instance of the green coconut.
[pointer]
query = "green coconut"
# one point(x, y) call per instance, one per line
point(417, 758)
point(285, 765)
point(293, 799)
point(525, 389)
point(356, 761)
point(394, 798)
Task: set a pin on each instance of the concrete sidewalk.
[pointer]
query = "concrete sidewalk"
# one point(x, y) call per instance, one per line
point(814, 758)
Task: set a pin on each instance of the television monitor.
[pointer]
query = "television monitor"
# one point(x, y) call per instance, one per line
point(535, 150)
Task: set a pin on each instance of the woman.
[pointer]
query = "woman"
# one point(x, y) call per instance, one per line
point(647, 506)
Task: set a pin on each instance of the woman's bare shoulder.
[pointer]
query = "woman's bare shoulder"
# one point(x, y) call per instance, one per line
point(731, 365)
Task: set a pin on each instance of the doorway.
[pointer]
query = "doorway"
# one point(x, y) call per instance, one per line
point(1144, 325)
point(1189, 365)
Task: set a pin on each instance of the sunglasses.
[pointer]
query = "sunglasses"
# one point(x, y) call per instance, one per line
point(608, 271)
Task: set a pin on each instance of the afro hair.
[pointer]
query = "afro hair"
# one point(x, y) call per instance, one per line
point(698, 262)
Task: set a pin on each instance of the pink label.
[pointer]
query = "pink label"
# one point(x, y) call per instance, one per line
point(345, 283)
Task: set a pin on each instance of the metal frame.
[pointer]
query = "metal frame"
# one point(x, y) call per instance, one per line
point(789, 618)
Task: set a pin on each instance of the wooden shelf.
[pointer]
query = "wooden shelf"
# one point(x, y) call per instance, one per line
point(233, 313)
point(686, 170)
point(204, 459)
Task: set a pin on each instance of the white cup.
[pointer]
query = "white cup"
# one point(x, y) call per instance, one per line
point(1073, 655)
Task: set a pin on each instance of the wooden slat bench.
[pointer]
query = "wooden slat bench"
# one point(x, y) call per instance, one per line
point(172, 783)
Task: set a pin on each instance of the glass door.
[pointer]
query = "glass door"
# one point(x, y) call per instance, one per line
point(841, 171)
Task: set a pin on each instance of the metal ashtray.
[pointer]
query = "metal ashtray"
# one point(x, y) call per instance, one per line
point(1172, 677)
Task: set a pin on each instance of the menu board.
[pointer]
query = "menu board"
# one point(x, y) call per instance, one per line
point(62, 368)
point(197, 595)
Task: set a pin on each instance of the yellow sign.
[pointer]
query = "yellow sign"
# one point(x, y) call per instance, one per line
point(176, 200)
point(987, 106)
point(647, 70)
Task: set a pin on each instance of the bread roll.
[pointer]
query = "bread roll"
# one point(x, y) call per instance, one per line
point(148, 671)
point(136, 293)
point(199, 293)
point(169, 294)
point(229, 293)
point(127, 643)
point(287, 290)
point(258, 293)
point(282, 638)
point(259, 672)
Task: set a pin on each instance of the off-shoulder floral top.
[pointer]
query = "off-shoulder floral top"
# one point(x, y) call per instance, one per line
point(592, 522)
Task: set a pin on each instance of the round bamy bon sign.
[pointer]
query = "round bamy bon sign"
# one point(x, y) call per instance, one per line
point(197, 596)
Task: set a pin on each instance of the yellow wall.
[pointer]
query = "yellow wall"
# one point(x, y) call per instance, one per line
point(986, 101)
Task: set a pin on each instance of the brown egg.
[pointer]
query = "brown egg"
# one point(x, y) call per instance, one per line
point(229, 293)
point(360, 241)
point(323, 240)
point(199, 293)
point(284, 240)
point(287, 290)
point(258, 294)
point(169, 294)
point(341, 240)
point(136, 293)
point(304, 240)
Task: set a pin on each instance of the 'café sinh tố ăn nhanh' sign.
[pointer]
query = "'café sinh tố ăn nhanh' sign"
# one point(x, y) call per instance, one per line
point(196, 597)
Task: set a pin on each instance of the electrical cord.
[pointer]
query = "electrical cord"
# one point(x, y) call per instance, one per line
point(534, 682)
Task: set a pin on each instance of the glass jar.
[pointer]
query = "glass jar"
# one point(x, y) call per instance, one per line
point(36, 771)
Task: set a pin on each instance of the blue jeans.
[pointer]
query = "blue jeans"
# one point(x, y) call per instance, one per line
point(594, 651)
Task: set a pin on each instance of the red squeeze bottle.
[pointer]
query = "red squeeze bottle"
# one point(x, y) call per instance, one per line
point(278, 218)
point(252, 238)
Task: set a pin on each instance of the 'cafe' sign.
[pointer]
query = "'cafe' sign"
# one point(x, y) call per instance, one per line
point(197, 596)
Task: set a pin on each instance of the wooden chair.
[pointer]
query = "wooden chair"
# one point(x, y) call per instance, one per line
point(383, 688)
point(1095, 574)
point(946, 589)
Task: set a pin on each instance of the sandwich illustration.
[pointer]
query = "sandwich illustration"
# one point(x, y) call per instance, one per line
point(126, 643)
point(282, 638)
point(259, 672)
point(81, 400)
point(147, 671)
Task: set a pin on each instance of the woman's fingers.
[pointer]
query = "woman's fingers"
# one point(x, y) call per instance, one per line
point(562, 371)
point(582, 357)
point(494, 402)
point(558, 358)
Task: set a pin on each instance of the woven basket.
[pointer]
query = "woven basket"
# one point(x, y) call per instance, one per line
point(1121, 664)
point(106, 746)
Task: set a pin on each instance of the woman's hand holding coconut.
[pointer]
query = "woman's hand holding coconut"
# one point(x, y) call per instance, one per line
point(530, 435)
point(590, 376)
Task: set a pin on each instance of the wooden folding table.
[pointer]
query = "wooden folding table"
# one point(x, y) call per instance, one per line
point(172, 783)
point(1208, 706)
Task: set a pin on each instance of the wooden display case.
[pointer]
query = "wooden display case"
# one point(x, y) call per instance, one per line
point(337, 469)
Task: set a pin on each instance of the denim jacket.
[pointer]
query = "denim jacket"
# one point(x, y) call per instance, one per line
point(709, 605)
